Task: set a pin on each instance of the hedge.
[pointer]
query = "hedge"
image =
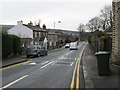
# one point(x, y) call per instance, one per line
point(10, 44)
point(16, 44)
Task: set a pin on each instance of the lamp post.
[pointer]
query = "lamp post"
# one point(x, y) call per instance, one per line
point(55, 23)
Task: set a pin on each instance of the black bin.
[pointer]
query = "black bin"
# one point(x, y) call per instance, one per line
point(103, 63)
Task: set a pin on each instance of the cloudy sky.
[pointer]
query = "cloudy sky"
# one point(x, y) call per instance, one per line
point(70, 12)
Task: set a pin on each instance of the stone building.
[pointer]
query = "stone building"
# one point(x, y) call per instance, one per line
point(28, 33)
point(52, 38)
point(116, 32)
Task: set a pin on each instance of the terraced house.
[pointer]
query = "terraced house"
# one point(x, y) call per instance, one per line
point(29, 34)
point(116, 32)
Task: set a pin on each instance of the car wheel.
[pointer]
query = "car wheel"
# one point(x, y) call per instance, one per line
point(46, 53)
point(28, 56)
point(38, 55)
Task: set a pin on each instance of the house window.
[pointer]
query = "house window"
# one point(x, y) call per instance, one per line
point(39, 34)
point(35, 34)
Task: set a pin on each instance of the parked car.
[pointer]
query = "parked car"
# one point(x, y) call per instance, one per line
point(67, 45)
point(35, 50)
point(73, 46)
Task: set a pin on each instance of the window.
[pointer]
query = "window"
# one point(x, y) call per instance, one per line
point(35, 34)
point(39, 34)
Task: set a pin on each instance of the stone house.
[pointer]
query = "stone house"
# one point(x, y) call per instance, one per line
point(116, 31)
point(39, 33)
point(28, 33)
point(52, 38)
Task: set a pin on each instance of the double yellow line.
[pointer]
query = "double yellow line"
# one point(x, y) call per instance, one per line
point(76, 73)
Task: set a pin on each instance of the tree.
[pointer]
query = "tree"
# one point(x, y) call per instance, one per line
point(101, 22)
point(67, 40)
point(94, 24)
point(81, 29)
point(106, 17)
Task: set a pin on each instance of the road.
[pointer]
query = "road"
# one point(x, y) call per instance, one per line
point(53, 71)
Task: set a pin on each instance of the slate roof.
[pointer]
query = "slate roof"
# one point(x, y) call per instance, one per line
point(35, 28)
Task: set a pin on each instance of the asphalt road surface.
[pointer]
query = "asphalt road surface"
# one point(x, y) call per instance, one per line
point(53, 71)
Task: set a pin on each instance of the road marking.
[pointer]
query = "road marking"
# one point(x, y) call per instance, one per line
point(62, 57)
point(33, 63)
point(14, 65)
point(71, 64)
point(68, 53)
point(47, 64)
point(77, 72)
point(73, 77)
point(77, 76)
point(6, 86)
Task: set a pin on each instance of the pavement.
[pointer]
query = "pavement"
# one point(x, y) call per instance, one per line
point(90, 70)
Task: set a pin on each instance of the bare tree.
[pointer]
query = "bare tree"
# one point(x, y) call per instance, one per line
point(103, 21)
point(94, 24)
point(81, 29)
point(106, 17)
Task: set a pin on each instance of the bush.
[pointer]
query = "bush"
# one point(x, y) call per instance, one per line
point(7, 44)
point(89, 38)
point(16, 44)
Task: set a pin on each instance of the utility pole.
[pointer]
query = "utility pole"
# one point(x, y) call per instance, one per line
point(55, 23)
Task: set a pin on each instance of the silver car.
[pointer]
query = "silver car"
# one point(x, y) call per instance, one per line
point(36, 51)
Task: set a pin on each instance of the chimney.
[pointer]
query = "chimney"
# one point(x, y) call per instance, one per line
point(44, 26)
point(20, 22)
point(30, 24)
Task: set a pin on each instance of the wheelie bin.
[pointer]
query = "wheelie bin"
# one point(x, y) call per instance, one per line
point(103, 63)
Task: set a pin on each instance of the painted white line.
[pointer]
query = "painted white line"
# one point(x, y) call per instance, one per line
point(61, 57)
point(33, 63)
point(47, 64)
point(68, 53)
point(6, 86)
point(71, 64)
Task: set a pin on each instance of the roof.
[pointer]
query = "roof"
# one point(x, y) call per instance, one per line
point(35, 28)
point(52, 33)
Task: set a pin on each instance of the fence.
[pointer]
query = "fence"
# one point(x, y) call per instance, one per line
point(101, 44)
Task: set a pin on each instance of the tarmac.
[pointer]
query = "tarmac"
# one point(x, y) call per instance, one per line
point(89, 78)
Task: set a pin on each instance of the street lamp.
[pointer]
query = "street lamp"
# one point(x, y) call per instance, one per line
point(55, 23)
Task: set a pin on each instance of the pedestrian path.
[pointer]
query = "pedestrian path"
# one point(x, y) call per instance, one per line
point(12, 60)
point(90, 71)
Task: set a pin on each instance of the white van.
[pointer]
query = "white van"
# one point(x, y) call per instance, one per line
point(73, 46)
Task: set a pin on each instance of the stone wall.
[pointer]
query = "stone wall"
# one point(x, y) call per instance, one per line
point(116, 31)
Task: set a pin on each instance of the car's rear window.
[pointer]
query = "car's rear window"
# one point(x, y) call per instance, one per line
point(31, 47)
